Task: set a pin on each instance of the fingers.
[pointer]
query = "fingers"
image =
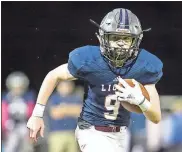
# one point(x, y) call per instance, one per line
point(42, 131)
point(34, 135)
point(122, 99)
point(121, 89)
point(121, 96)
point(29, 126)
point(35, 125)
point(123, 82)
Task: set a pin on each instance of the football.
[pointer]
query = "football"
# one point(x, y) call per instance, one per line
point(131, 107)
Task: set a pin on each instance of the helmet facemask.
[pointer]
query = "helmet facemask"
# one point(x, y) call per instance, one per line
point(118, 48)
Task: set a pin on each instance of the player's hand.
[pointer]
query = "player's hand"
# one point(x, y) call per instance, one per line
point(35, 125)
point(133, 95)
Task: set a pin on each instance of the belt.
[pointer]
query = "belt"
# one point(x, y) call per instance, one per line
point(108, 128)
point(82, 124)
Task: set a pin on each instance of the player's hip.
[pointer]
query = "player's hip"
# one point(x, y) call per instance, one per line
point(108, 130)
point(100, 120)
point(97, 138)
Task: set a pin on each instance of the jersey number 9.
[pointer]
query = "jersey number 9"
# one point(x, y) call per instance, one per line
point(112, 105)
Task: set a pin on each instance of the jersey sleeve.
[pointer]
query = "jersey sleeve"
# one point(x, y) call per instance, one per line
point(76, 62)
point(153, 72)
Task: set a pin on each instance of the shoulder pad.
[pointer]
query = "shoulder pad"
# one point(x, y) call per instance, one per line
point(79, 57)
point(153, 67)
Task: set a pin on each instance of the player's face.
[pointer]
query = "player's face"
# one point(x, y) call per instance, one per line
point(18, 90)
point(118, 47)
point(120, 44)
point(120, 41)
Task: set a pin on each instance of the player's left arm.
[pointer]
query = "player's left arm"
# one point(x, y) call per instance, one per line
point(153, 113)
point(133, 95)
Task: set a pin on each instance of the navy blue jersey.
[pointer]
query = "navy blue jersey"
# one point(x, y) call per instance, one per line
point(101, 107)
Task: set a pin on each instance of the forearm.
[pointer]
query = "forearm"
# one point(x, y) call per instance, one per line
point(51, 80)
point(47, 88)
point(153, 114)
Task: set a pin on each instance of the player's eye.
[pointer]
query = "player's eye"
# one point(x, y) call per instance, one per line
point(127, 39)
point(114, 37)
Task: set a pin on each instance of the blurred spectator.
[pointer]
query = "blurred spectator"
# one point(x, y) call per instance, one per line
point(174, 142)
point(177, 123)
point(158, 135)
point(17, 106)
point(2, 147)
point(168, 133)
point(64, 108)
point(79, 91)
point(138, 133)
point(166, 129)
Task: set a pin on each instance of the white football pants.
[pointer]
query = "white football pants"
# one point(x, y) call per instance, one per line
point(91, 140)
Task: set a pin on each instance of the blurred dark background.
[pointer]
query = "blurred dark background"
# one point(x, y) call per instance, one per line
point(38, 36)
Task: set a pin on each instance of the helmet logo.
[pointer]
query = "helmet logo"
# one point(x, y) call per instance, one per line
point(122, 30)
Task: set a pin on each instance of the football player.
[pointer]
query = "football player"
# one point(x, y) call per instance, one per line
point(103, 121)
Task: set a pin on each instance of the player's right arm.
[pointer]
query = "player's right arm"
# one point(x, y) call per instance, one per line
point(50, 81)
point(68, 71)
point(36, 123)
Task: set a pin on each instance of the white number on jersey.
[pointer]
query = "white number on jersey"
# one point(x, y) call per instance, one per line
point(111, 104)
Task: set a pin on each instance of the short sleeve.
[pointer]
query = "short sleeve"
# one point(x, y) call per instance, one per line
point(75, 63)
point(154, 72)
point(155, 77)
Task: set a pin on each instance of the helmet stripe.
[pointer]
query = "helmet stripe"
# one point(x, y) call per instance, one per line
point(122, 19)
point(126, 19)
